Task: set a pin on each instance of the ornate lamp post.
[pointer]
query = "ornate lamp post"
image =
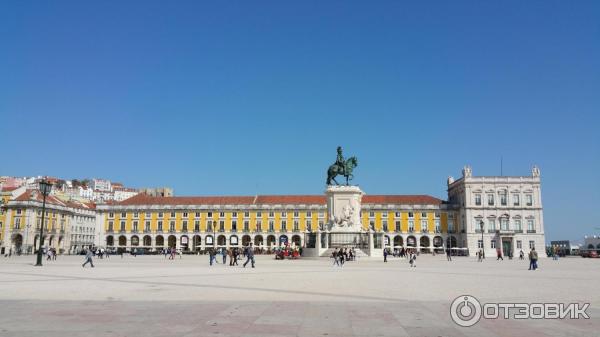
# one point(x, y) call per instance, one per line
point(45, 188)
point(482, 244)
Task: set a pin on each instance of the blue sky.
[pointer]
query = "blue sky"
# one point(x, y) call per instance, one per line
point(243, 97)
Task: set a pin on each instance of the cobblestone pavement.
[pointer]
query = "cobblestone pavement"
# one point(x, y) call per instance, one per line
point(152, 296)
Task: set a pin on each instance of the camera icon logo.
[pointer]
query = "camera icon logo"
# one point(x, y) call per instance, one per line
point(465, 310)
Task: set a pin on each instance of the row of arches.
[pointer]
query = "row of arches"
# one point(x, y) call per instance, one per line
point(423, 242)
point(198, 242)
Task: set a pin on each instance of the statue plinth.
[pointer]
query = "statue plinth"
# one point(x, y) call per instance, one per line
point(344, 205)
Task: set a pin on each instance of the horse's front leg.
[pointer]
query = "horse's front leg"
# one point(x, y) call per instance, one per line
point(335, 181)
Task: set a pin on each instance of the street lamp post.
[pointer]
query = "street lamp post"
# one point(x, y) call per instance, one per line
point(45, 188)
point(482, 244)
point(214, 228)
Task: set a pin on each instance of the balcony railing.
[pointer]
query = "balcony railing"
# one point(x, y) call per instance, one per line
point(531, 231)
point(518, 231)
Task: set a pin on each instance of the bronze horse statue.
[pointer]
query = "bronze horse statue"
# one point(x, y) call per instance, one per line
point(346, 171)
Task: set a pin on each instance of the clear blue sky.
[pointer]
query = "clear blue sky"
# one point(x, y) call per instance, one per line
point(245, 97)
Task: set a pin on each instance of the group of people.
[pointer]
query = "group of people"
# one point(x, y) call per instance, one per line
point(170, 252)
point(341, 255)
point(51, 254)
point(233, 255)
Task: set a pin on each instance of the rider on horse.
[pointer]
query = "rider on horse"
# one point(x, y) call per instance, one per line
point(340, 162)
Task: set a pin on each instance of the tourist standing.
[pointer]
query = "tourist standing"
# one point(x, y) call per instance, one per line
point(385, 254)
point(224, 253)
point(341, 253)
point(249, 256)
point(499, 254)
point(521, 255)
point(448, 254)
point(479, 256)
point(88, 258)
point(533, 257)
point(336, 258)
point(413, 259)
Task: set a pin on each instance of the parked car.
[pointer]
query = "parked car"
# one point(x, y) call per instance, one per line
point(589, 253)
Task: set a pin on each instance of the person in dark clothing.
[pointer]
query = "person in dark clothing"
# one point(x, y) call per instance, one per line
point(249, 256)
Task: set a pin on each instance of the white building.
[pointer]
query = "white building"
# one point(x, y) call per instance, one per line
point(498, 212)
point(123, 193)
point(103, 185)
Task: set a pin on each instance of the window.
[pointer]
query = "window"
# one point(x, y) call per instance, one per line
point(384, 215)
point(397, 214)
point(271, 214)
point(518, 227)
point(234, 215)
point(110, 215)
point(438, 227)
point(295, 214)
point(411, 215)
point(437, 215)
point(516, 200)
point(478, 199)
point(197, 214)
point(160, 214)
point(271, 226)
point(246, 226)
point(160, 226)
point(17, 223)
point(172, 226)
point(209, 226)
point(423, 215)
point(411, 226)
point(493, 244)
point(258, 214)
point(491, 225)
point(221, 226)
point(424, 226)
point(283, 214)
point(385, 225)
point(398, 229)
point(451, 225)
point(246, 214)
point(503, 198)
point(371, 214)
point(308, 214)
point(504, 223)
point(122, 226)
point(519, 244)
point(185, 214)
point(136, 214)
point(283, 226)
point(531, 244)
point(147, 229)
point(209, 215)
point(321, 224)
point(184, 226)
point(110, 226)
point(197, 226)
point(135, 226)
point(221, 214)
point(321, 214)
point(234, 226)
point(530, 226)
point(309, 225)
point(490, 199)
point(372, 224)
point(296, 226)
point(479, 243)
point(529, 199)
point(259, 226)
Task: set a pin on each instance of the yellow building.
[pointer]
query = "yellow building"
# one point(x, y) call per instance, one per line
point(197, 223)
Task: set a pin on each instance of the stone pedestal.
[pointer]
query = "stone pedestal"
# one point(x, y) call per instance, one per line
point(343, 207)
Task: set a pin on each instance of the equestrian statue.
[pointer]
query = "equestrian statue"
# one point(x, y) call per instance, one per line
point(341, 167)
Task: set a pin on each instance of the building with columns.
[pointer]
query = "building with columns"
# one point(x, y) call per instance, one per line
point(499, 212)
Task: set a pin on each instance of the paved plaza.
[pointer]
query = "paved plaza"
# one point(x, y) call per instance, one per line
point(153, 296)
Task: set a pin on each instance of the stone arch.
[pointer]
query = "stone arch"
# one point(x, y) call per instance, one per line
point(438, 241)
point(234, 240)
point(196, 242)
point(135, 241)
point(184, 240)
point(221, 241)
point(283, 240)
point(160, 241)
point(110, 241)
point(424, 242)
point(209, 240)
point(122, 241)
point(411, 241)
point(398, 241)
point(451, 242)
point(271, 241)
point(258, 241)
point(172, 241)
point(17, 241)
point(296, 240)
point(246, 240)
point(387, 240)
point(147, 241)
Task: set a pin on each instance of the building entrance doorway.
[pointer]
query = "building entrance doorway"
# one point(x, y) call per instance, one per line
point(507, 247)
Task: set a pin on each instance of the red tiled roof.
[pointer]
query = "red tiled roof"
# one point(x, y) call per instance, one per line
point(9, 188)
point(401, 199)
point(51, 200)
point(144, 199)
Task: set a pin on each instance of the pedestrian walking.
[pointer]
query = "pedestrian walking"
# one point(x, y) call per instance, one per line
point(521, 255)
point(499, 254)
point(385, 254)
point(224, 253)
point(249, 255)
point(533, 257)
point(342, 258)
point(448, 254)
point(413, 260)
point(479, 256)
point(88, 258)
point(336, 258)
